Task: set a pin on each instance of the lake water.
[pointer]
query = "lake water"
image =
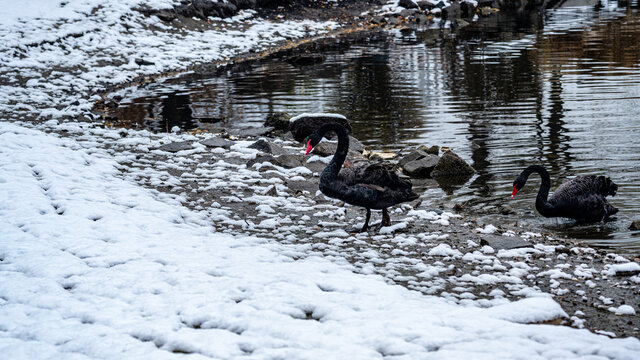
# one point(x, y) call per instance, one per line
point(561, 89)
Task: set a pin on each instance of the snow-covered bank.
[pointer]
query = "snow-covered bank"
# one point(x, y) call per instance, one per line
point(93, 266)
point(55, 54)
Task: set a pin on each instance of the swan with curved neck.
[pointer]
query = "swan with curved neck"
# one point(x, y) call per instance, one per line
point(371, 186)
point(582, 198)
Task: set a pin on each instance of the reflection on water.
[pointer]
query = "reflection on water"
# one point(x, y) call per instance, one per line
point(562, 90)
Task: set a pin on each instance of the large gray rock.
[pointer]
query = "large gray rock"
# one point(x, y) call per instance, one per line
point(451, 164)
point(422, 167)
point(268, 147)
point(176, 146)
point(412, 156)
point(217, 142)
point(327, 148)
point(504, 242)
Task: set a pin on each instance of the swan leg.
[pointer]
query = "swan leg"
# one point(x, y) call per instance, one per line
point(365, 226)
point(386, 220)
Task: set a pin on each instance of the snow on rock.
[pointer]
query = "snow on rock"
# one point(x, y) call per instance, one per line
point(444, 250)
point(629, 267)
point(623, 310)
point(95, 266)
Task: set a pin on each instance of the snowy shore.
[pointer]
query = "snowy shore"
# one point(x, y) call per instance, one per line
point(114, 249)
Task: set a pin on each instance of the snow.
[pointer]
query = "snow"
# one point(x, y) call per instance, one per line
point(623, 310)
point(94, 266)
point(97, 264)
point(613, 269)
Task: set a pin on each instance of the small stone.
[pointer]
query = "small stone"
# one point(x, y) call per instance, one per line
point(451, 164)
point(217, 142)
point(393, 21)
point(635, 225)
point(422, 19)
point(251, 132)
point(271, 191)
point(176, 146)
point(301, 186)
point(504, 242)
point(143, 62)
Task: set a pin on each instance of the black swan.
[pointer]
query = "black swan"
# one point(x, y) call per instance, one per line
point(581, 198)
point(371, 186)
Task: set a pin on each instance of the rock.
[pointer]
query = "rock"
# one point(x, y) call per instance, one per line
point(635, 225)
point(408, 12)
point(268, 147)
point(422, 19)
point(143, 62)
point(176, 146)
point(301, 186)
point(435, 149)
point(451, 164)
point(462, 23)
point(378, 20)
point(278, 120)
point(412, 156)
point(261, 158)
point(504, 242)
point(303, 125)
point(315, 166)
point(468, 9)
point(271, 191)
point(393, 21)
point(422, 167)
point(328, 148)
point(290, 161)
point(408, 4)
point(251, 132)
point(217, 142)
point(381, 156)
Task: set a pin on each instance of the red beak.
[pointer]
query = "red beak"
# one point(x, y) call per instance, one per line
point(309, 148)
point(515, 191)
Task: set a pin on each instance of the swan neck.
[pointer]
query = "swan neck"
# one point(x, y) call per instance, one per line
point(542, 204)
point(341, 152)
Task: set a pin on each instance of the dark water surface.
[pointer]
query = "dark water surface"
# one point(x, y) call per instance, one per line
point(561, 89)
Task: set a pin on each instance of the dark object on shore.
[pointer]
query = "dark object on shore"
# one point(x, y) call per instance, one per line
point(581, 198)
point(371, 186)
point(635, 225)
point(143, 62)
point(303, 125)
point(504, 242)
point(278, 120)
point(451, 165)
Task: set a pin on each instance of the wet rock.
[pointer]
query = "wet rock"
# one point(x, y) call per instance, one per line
point(328, 148)
point(435, 149)
point(504, 242)
point(422, 167)
point(268, 147)
point(412, 156)
point(251, 132)
point(176, 146)
point(408, 4)
point(143, 62)
point(217, 142)
point(278, 120)
point(303, 125)
point(635, 225)
point(451, 164)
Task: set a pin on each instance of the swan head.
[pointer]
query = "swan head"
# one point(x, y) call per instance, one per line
point(518, 184)
point(313, 140)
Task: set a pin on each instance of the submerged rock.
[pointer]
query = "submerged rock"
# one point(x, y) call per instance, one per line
point(635, 225)
point(176, 146)
point(451, 164)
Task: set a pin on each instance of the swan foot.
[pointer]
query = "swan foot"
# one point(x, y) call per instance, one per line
point(386, 221)
point(365, 227)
